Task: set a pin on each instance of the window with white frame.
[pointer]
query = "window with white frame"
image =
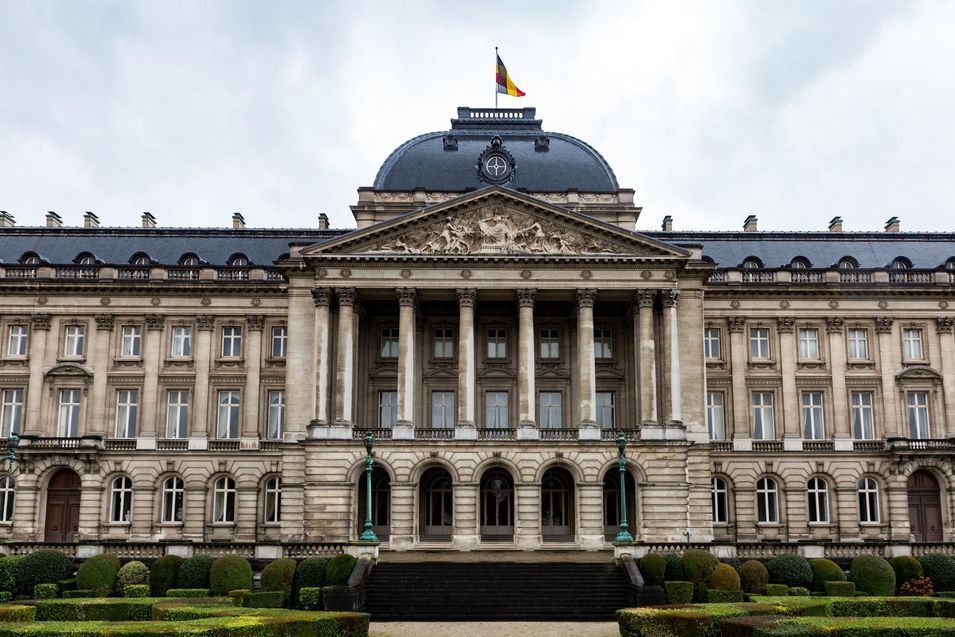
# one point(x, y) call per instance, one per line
point(231, 341)
point(550, 343)
point(11, 412)
point(550, 410)
point(68, 421)
point(389, 342)
point(227, 421)
point(759, 343)
point(74, 342)
point(603, 343)
point(173, 491)
point(917, 402)
point(817, 492)
point(813, 425)
point(177, 413)
point(131, 341)
point(764, 423)
point(711, 343)
point(442, 409)
point(720, 495)
point(272, 504)
point(279, 342)
point(809, 343)
point(497, 342)
point(767, 501)
point(495, 410)
point(715, 416)
point(223, 501)
point(868, 501)
point(276, 421)
point(858, 340)
point(121, 499)
point(18, 340)
point(912, 344)
point(605, 409)
point(181, 341)
point(387, 409)
point(863, 424)
point(443, 342)
point(7, 491)
point(127, 409)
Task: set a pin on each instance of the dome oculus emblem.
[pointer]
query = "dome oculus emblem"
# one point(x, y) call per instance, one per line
point(496, 165)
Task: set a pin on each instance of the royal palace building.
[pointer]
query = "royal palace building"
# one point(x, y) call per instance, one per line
point(495, 321)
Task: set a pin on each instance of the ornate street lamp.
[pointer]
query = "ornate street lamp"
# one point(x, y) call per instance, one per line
point(12, 442)
point(624, 535)
point(369, 534)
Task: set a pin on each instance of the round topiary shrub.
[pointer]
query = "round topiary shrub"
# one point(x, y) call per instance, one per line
point(310, 573)
point(9, 566)
point(940, 568)
point(872, 575)
point(724, 578)
point(279, 576)
point(906, 568)
point(133, 573)
point(698, 566)
point(674, 572)
point(42, 567)
point(789, 569)
point(753, 576)
point(339, 570)
point(823, 571)
point(98, 574)
point(653, 567)
point(194, 572)
point(228, 573)
point(162, 576)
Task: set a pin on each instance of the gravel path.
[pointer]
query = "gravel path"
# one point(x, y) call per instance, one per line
point(493, 629)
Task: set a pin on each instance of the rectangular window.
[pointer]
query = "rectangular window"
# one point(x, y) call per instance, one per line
point(711, 343)
point(442, 409)
point(496, 343)
point(11, 412)
point(231, 342)
point(605, 409)
point(68, 422)
point(715, 417)
point(550, 409)
point(387, 409)
point(75, 341)
point(18, 340)
point(550, 343)
point(443, 342)
point(131, 345)
point(276, 426)
point(127, 407)
point(389, 342)
point(918, 414)
point(177, 413)
point(759, 343)
point(863, 425)
point(813, 427)
point(228, 417)
point(809, 343)
point(603, 343)
point(763, 417)
point(495, 416)
point(279, 342)
point(912, 344)
point(181, 342)
point(858, 344)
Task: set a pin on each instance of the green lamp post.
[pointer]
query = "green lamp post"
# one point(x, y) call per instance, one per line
point(369, 534)
point(624, 535)
point(12, 442)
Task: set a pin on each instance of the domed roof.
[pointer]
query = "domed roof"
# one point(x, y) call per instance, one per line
point(532, 160)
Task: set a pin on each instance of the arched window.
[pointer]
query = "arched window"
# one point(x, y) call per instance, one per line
point(767, 501)
point(720, 493)
point(437, 498)
point(223, 501)
point(6, 498)
point(85, 258)
point(557, 505)
point(949, 264)
point(140, 258)
point(818, 494)
point(497, 505)
point(868, 501)
point(273, 500)
point(900, 263)
point(121, 499)
point(800, 263)
point(847, 263)
point(30, 258)
point(239, 260)
point(751, 263)
point(189, 259)
point(173, 490)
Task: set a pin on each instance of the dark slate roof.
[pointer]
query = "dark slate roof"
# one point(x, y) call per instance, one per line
point(568, 163)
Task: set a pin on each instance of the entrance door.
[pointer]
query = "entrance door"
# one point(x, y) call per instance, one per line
point(925, 507)
point(62, 507)
point(497, 506)
point(557, 506)
point(437, 505)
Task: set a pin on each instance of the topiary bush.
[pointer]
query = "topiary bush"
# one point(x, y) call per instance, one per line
point(940, 568)
point(698, 566)
point(753, 576)
point(789, 569)
point(798, 591)
point(339, 570)
point(162, 576)
point(98, 574)
point(136, 590)
point(45, 591)
point(42, 567)
point(9, 567)
point(724, 578)
point(310, 598)
point(79, 593)
point(264, 599)
point(17, 613)
point(679, 592)
point(194, 572)
point(310, 573)
point(228, 573)
point(823, 571)
point(238, 596)
point(776, 590)
point(279, 576)
point(133, 573)
point(840, 589)
point(906, 568)
point(873, 575)
point(674, 572)
point(653, 567)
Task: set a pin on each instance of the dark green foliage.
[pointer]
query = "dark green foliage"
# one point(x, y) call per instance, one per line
point(77, 593)
point(187, 592)
point(310, 598)
point(279, 576)
point(228, 573)
point(789, 569)
point(834, 627)
point(674, 572)
point(823, 571)
point(840, 589)
point(753, 576)
point(136, 590)
point(918, 587)
point(98, 574)
point(194, 572)
point(339, 570)
point(67, 584)
point(774, 590)
point(873, 575)
point(798, 591)
point(719, 596)
point(698, 566)
point(238, 596)
point(96, 609)
point(940, 568)
point(264, 599)
point(42, 567)
point(689, 621)
point(162, 576)
point(906, 568)
point(5, 596)
point(18, 613)
point(132, 573)
point(310, 573)
point(653, 567)
point(45, 591)
point(9, 566)
point(725, 578)
point(679, 592)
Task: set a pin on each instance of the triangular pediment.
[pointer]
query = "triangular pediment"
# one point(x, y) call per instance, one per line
point(495, 222)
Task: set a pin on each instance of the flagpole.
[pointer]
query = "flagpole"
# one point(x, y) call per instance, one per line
point(495, 77)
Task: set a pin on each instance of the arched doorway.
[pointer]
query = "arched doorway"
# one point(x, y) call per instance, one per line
point(497, 506)
point(62, 507)
point(557, 506)
point(612, 503)
point(380, 503)
point(437, 505)
point(925, 507)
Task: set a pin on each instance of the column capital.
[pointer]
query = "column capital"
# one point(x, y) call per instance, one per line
point(644, 298)
point(40, 321)
point(944, 324)
point(205, 322)
point(835, 325)
point(322, 296)
point(407, 296)
point(105, 321)
point(256, 322)
point(525, 297)
point(670, 297)
point(883, 324)
point(786, 323)
point(467, 297)
point(737, 323)
point(154, 322)
point(346, 296)
point(586, 297)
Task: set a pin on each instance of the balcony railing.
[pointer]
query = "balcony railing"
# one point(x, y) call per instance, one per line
point(232, 274)
point(58, 442)
point(20, 272)
point(182, 274)
point(440, 433)
point(274, 275)
point(817, 445)
point(497, 434)
point(868, 445)
point(270, 445)
point(854, 276)
point(172, 444)
point(722, 445)
point(549, 433)
point(922, 444)
point(380, 433)
point(804, 276)
point(121, 444)
point(223, 445)
point(910, 276)
point(77, 273)
point(611, 434)
point(756, 276)
point(767, 445)
point(134, 274)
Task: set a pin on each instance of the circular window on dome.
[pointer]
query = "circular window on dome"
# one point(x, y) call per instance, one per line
point(496, 164)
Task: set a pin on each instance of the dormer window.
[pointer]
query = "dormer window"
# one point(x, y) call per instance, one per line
point(30, 258)
point(752, 263)
point(800, 263)
point(847, 263)
point(85, 258)
point(189, 260)
point(239, 260)
point(140, 258)
point(900, 263)
point(950, 264)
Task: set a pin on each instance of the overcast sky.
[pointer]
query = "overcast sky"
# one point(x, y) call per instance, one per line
point(794, 110)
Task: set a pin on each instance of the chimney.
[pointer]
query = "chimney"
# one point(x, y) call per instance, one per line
point(90, 220)
point(893, 225)
point(667, 224)
point(6, 219)
point(835, 225)
point(238, 221)
point(749, 225)
point(322, 221)
point(53, 220)
point(149, 221)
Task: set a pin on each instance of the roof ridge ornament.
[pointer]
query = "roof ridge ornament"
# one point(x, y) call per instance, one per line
point(496, 165)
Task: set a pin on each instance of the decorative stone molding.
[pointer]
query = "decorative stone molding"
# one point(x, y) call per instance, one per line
point(467, 297)
point(835, 325)
point(346, 296)
point(322, 296)
point(407, 296)
point(670, 297)
point(155, 322)
point(105, 321)
point(205, 321)
point(883, 324)
point(785, 323)
point(944, 324)
point(586, 297)
point(40, 321)
point(255, 322)
point(644, 298)
point(525, 297)
point(737, 323)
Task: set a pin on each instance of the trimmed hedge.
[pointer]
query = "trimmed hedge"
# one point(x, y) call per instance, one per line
point(194, 572)
point(136, 590)
point(872, 575)
point(17, 613)
point(98, 574)
point(67, 584)
point(228, 573)
point(187, 592)
point(5, 596)
point(42, 567)
point(339, 570)
point(798, 591)
point(79, 593)
point(238, 596)
point(724, 578)
point(837, 626)
point(940, 568)
point(279, 576)
point(674, 572)
point(94, 609)
point(773, 590)
point(264, 599)
point(840, 589)
point(906, 568)
point(9, 567)
point(790, 569)
point(133, 573)
point(46, 591)
point(753, 576)
point(720, 596)
point(679, 592)
point(690, 621)
point(310, 598)
point(653, 567)
point(310, 573)
point(699, 565)
point(162, 576)
point(823, 571)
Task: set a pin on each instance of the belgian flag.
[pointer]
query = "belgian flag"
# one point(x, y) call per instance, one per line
point(504, 83)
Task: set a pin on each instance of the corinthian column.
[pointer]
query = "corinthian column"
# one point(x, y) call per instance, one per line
point(526, 387)
point(404, 427)
point(150, 406)
point(322, 298)
point(345, 365)
point(647, 382)
point(586, 366)
point(670, 299)
point(466, 372)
